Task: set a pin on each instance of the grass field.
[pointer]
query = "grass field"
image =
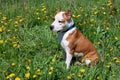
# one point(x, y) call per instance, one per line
point(30, 51)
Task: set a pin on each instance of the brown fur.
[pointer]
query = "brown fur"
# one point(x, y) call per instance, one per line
point(79, 43)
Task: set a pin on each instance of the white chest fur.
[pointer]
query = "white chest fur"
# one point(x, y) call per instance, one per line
point(64, 42)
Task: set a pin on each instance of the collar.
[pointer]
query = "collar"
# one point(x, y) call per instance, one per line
point(70, 28)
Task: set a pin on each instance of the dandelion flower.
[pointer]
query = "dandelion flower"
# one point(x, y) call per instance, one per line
point(1, 41)
point(79, 75)
point(4, 18)
point(108, 66)
point(11, 75)
point(82, 70)
point(68, 77)
point(49, 73)
point(8, 31)
point(38, 18)
point(51, 68)
point(107, 28)
point(38, 71)
point(17, 78)
point(116, 38)
point(27, 75)
point(98, 77)
point(13, 64)
point(111, 49)
point(34, 76)
point(53, 60)
point(1, 30)
point(28, 67)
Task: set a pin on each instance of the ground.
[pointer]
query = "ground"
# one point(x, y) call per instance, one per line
point(29, 50)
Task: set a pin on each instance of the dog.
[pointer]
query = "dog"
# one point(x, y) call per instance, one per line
point(72, 40)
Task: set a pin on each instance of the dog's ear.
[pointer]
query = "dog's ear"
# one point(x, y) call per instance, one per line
point(59, 10)
point(68, 14)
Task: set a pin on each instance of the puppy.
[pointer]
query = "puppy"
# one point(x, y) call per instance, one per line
point(72, 40)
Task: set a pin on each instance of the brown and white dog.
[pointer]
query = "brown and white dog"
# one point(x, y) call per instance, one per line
point(72, 40)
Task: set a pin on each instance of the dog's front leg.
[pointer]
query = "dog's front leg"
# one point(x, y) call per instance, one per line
point(68, 59)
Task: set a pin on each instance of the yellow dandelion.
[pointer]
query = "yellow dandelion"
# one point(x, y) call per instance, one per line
point(37, 13)
point(91, 25)
point(82, 70)
point(38, 18)
point(16, 22)
point(86, 15)
point(84, 22)
point(98, 77)
point(115, 58)
point(108, 66)
point(51, 68)
point(69, 77)
point(79, 75)
point(114, 75)
point(21, 20)
point(3, 27)
point(117, 61)
point(107, 28)
point(15, 44)
point(27, 75)
point(1, 41)
point(53, 60)
point(8, 31)
point(73, 16)
point(73, 74)
point(104, 13)
point(13, 64)
point(78, 15)
point(1, 30)
point(91, 20)
point(17, 78)
point(103, 8)
point(28, 60)
point(37, 10)
point(11, 75)
point(116, 38)
point(50, 73)
point(109, 63)
point(43, 9)
point(111, 49)
point(98, 43)
point(96, 12)
point(38, 71)
point(94, 32)
point(83, 60)
point(34, 76)
point(4, 18)
point(28, 67)
point(10, 20)
point(7, 77)
point(107, 55)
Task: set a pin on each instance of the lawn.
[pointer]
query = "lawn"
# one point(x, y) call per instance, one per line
point(30, 51)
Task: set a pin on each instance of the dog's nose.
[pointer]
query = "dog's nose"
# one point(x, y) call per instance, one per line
point(51, 27)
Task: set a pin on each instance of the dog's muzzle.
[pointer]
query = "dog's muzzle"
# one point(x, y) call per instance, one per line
point(51, 27)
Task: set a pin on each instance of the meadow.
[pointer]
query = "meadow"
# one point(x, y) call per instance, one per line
point(30, 51)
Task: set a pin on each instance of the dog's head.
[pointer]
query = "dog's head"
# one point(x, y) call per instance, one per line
point(62, 21)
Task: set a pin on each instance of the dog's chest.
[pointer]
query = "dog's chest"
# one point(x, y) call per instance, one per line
point(63, 38)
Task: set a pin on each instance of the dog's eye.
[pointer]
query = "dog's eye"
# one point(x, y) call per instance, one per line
point(60, 21)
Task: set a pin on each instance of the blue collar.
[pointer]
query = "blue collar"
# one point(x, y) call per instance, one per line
point(70, 27)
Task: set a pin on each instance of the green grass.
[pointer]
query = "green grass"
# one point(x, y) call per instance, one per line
point(28, 47)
